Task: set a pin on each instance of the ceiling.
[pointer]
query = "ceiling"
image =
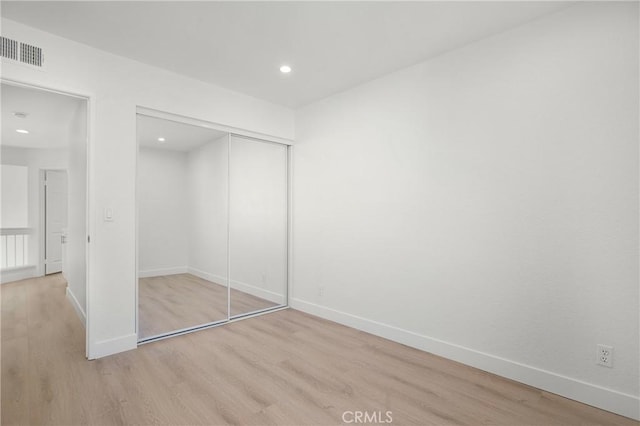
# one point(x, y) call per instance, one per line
point(49, 117)
point(178, 136)
point(331, 46)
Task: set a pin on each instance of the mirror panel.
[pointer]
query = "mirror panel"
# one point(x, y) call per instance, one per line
point(258, 222)
point(182, 197)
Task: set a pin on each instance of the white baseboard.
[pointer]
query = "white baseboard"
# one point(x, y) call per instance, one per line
point(207, 276)
point(597, 396)
point(74, 302)
point(112, 346)
point(262, 293)
point(240, 286)
point(17, 274)
point(162, 271)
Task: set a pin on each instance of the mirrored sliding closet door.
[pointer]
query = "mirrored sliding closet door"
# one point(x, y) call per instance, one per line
point(182, 195)
point(258, 224)
point(212, 227)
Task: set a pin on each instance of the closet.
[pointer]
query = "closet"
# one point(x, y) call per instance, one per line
point(213, 221)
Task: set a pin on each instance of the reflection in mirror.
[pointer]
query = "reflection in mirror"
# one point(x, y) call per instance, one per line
point(182, 226)
point(257, 225)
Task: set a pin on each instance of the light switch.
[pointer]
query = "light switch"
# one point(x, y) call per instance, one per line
point(108, 214)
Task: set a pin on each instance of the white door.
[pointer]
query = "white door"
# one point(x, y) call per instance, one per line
point(55, 213)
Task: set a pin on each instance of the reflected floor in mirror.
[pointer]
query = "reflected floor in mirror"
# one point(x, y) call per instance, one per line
point(174, 302)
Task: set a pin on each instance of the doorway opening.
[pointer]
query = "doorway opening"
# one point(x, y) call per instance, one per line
point(54, 231)
point(44, 188)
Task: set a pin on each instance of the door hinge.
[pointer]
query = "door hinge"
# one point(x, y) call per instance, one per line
point(88, 238)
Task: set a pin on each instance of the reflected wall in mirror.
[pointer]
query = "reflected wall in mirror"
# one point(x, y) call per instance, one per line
point(258, 225)
point(182, 198)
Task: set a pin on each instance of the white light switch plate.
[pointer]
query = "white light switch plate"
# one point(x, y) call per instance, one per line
point(108, 214)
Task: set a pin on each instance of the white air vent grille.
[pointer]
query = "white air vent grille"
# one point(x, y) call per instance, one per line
point(31, 55)
point(8, 48)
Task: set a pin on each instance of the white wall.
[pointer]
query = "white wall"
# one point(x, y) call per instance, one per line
point(75, 250)
point(163, 212)
point(15, 196)
point(35, 160)
point(116, 86)
point(483, 205)
point(208, 172)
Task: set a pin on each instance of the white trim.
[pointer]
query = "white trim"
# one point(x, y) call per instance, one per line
point(150, 112)
point(10, 275)
point(262, 293)
point(89, 98)
point(597, 396)
point(113, 346)
point(228, 278)
point(271, 296)
point(289, 224)
point(37, 86)
point(89, 221)
point(163, 271)
point(74, 302)
point(16, 231)
point(137, 234)
point(290, 227)
point(211, 325)
point(217, 279)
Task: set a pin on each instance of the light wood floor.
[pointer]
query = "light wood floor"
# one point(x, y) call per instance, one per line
point(282, 368)
point(173, 302)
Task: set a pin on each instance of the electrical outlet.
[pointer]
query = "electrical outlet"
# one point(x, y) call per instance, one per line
point(605, 355)
point(320, 291)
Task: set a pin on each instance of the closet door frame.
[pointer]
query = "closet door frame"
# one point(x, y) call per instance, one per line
point(288, 227)
point(232, 131)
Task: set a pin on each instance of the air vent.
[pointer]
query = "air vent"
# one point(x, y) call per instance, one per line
point(22, 52)
point(31, 55)
point(8, 48)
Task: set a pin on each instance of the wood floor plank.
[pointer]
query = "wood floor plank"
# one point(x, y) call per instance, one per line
point(284, 368)
point(14, 312)
point(15, 390)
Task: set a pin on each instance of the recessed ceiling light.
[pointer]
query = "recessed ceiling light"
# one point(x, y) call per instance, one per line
point(285, 69)
point(161, 140)
point(19, 114)
point(24, 132)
